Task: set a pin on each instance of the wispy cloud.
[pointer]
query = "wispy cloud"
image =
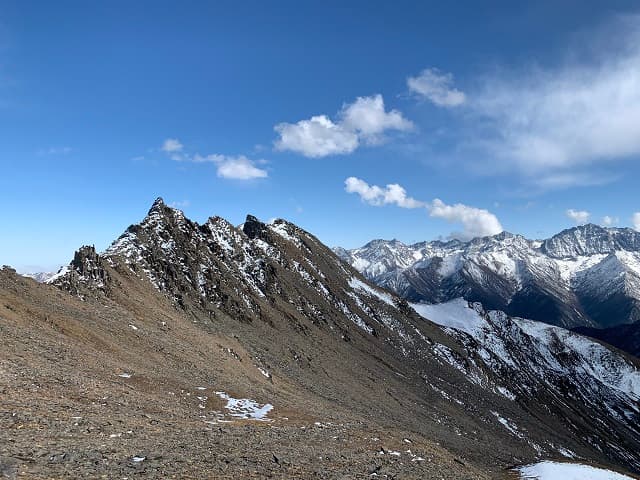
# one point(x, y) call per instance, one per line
point(171, 145)
point(437, 87)
point(559, 180)
point(365, 121)
point(609, 221)
point(476, 222)
point(554, 125)
point(635, 221)
point(55, 151)
point(229, 167)
point(580, 217)
point(180, 204)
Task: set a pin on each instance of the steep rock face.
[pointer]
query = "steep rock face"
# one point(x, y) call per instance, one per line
point(312, 323)
point(584, 276)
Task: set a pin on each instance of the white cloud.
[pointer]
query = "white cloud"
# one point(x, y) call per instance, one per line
point(368, 118)
point(375, 195)
point(316, 137)
point(559, 122)
point(580, 217)
point(230, 167)
point(436, 87)
point(172, 145)
point(476, 222)
point(239, 168)
point(55, 151)
point(608, 221)
point(635, 220)
point(363, 121)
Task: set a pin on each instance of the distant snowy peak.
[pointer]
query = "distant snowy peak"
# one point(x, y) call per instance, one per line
point(554, 280)
point(591, 239)
point(40, 277)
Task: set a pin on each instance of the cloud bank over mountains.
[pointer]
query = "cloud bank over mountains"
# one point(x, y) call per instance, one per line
point(475, 222)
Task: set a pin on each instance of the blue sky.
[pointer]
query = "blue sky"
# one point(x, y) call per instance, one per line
point(404, 120)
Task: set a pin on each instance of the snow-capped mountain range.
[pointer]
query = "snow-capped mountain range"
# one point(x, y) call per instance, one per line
point(584, 276)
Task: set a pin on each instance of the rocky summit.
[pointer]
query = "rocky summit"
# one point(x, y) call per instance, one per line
point(190, 350)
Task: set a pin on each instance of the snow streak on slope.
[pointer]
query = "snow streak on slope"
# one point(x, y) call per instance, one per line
point(531, 359)
point(360, 285)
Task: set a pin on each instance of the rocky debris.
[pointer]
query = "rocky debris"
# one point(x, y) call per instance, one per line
point(8, 468)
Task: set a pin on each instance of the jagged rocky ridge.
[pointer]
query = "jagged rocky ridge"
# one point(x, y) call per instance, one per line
point(583, 276)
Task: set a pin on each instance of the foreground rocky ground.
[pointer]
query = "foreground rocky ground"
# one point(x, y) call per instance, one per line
point(69, 410)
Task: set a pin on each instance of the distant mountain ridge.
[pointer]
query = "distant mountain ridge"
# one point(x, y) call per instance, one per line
point(584, 276)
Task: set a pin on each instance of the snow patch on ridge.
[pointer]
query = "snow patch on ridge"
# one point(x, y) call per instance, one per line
point(596, 361)
point(454, 314)
point(61, 273)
